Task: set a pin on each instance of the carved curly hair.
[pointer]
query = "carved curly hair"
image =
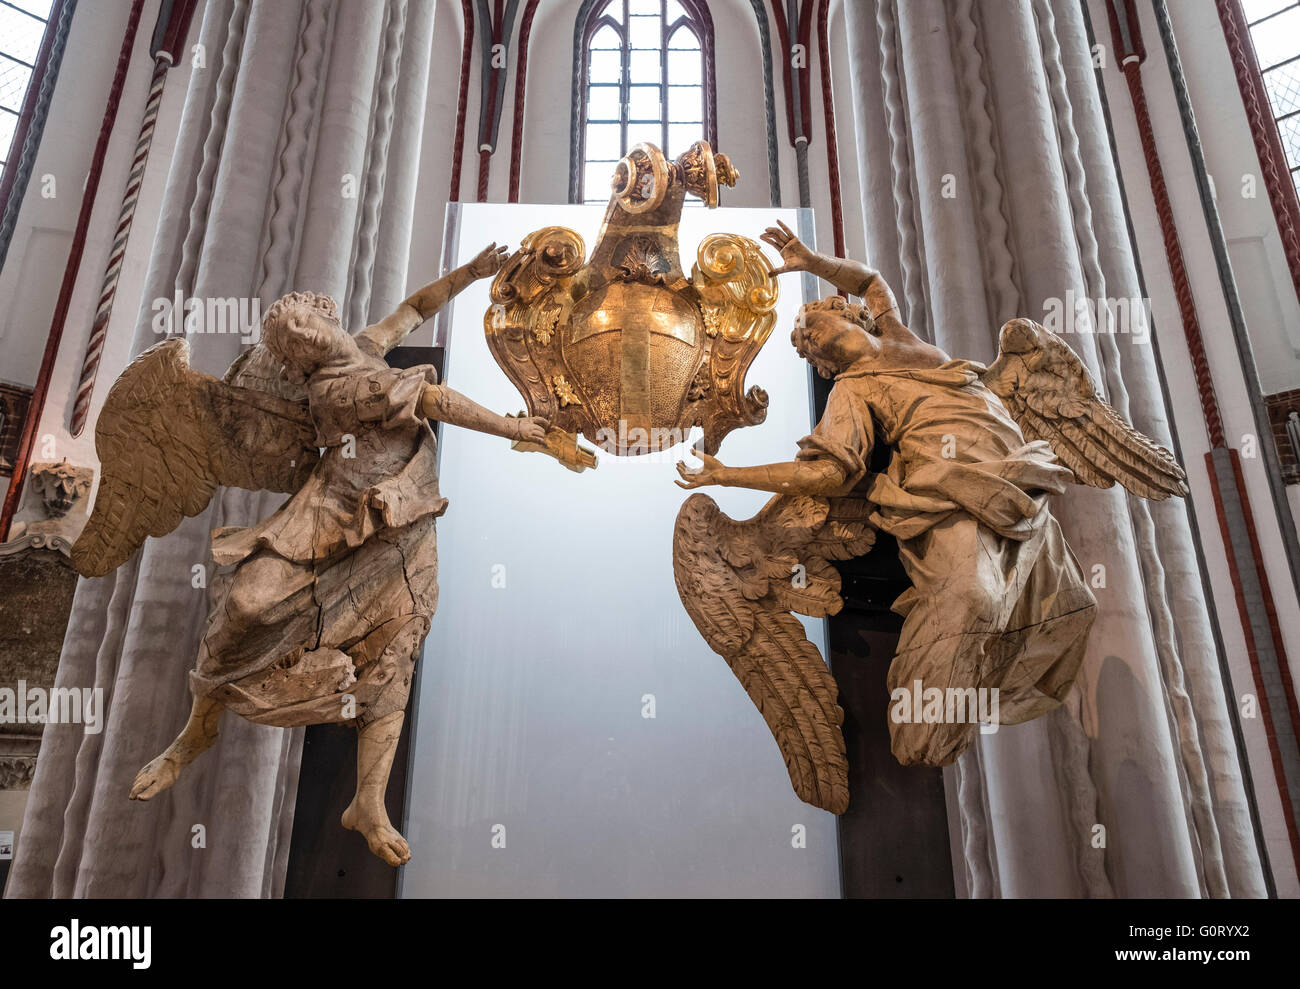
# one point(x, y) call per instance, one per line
point(300, 351)
point(317, 302)
point(839, 306)
point(836, 306)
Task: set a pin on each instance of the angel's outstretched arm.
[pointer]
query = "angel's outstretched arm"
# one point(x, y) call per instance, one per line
point(845, 274)
point(394, 328)
point(445, 404)
point(821, 477)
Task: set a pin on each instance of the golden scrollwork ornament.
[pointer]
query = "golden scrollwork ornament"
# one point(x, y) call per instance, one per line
point(625, 348)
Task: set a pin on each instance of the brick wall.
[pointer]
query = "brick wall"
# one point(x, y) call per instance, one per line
point(1280, 407)
point(14, 401)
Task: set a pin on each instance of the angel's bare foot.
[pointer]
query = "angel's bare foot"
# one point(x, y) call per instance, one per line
point(376, 746)
point(382, 838)
point(196, 737)
point(155, 777)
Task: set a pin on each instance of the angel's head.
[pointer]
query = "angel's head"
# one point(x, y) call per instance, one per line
point(303, 330)
point(832, 334)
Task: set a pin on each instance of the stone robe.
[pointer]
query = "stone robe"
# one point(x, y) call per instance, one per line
point(997, 601)
point(330, 598)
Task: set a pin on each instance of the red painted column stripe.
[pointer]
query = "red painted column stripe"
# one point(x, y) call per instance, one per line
point(113, 271)
point(832, 139)
point(1174, 253)
point(466, 55)
point(488, 110)
point(166, 52)
point(42, 388)
point(521, 77)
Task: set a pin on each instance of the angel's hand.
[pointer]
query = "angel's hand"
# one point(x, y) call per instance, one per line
point(488, 261)
point(530, 429)
point(797, 255)
point(698, 477)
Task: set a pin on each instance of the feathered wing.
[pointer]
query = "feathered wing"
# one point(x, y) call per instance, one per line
point(168, 436)
point(741, 583)
point(1052, 397)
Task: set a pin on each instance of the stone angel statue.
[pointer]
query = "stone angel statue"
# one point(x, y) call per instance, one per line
point(318, 612)
point(997, 602)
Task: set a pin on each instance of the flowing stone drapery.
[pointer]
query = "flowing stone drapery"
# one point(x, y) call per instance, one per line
point(987, 173)
point(280, 180)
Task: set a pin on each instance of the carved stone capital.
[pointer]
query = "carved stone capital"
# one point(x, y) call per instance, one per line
point(62, 486)
point(16, 771)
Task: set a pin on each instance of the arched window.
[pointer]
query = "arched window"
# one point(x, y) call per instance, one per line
point(22, 28)
point(1275, 33)
point(643, 73)
point(1263, 38)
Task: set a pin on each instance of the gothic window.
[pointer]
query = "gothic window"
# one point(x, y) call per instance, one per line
point(1275, 35)
point(646, 76)
point(22, 28)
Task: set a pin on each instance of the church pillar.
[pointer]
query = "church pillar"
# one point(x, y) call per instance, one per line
point(994, 130)
point(1131, 359)
point(294, 110)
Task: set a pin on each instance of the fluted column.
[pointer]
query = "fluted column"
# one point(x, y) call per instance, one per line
point(397, 222)
point(942, 180)
point(255, 204)
point(999, 97)
point(338, 167)
point(875, 167)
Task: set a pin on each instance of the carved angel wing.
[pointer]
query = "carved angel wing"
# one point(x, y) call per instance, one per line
point(1052, 397)
point(168, 436)
point(740, 583)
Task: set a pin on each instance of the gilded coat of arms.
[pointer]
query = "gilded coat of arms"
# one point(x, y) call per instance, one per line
point(625, 348)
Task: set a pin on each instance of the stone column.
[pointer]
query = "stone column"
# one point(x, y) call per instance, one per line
point(986, 113)
point(287, 98)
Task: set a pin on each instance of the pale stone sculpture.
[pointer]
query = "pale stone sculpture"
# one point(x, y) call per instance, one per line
point(62, 488)
point(998, 602)
point(326, 603)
